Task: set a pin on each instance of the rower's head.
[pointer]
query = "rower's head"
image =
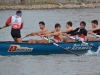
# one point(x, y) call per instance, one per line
point(57, 26)
point(19, 13)
point(94, 23)
point(69, 24)
point(42, 25)
point(82, 25)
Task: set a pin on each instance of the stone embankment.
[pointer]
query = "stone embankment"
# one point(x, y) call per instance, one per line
point(49, 6)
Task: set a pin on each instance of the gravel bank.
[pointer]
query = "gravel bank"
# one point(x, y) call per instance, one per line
point(49, 6)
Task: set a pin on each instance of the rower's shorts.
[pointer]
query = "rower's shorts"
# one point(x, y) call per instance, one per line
point(15, 33)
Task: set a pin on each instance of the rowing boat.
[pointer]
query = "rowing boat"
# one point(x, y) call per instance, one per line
point(12, 48)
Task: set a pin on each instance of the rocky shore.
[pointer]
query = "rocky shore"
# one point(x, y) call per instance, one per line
point(48, 6)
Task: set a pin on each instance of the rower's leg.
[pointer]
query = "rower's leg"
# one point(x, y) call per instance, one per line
point(91, 39)
point(15, 39)
point(70, 40)
point(19, 40)
point(97, 39)
point(36, 41)
point(65, 39)
point(30, 41)
point(43, 41)
point(40, 41)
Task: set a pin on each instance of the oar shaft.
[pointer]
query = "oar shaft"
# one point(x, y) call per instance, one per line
point(4, 27)
point(65, 49)
point(62, 47)
point(24, 37)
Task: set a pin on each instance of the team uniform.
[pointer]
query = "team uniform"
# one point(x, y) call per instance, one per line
point(16, 24)
point(71, 34)
point(55, 38)
point(97, 33)
point(43, 38)
point(80, 33)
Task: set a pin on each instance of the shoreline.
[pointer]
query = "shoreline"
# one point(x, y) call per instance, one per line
point(49, 6)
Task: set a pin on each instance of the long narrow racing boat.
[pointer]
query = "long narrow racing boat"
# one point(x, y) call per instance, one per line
point(12, 48)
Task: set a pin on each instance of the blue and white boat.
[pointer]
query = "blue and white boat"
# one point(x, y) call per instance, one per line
point(12, 48)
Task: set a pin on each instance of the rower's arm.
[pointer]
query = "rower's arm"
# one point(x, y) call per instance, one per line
point(67, 30)
point(48, 32)
point(52, 34)
point(35, 33)
point(52, 31)
point(93, 29)
point(8, 21)
point(40, 32)
point(94, 34)
point(55, 34)
point(71, 32)
point(81, 32)
point(22, 24)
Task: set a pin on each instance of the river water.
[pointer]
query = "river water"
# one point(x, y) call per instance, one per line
point(60, 64)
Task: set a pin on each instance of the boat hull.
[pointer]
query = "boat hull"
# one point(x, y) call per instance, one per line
point(11, 48)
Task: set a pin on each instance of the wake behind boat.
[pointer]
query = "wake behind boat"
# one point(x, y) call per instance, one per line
point(12, 48)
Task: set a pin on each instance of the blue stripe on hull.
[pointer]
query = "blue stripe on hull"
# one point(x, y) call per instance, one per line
point(40, 49)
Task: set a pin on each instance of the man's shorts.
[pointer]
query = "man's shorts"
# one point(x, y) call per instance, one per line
point(15, 33)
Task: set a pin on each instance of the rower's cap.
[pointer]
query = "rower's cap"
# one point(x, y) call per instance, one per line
point(19, 13)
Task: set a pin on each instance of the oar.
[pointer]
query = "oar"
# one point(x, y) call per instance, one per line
point(97, 36)
point(24, 37)
point(62, 47)
point(4, 27)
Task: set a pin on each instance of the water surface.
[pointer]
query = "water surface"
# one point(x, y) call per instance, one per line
point(61, 64)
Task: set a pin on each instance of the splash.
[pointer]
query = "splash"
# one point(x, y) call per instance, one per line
point(93, 53)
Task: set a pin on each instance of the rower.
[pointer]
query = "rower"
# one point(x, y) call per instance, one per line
point(56, 33)
point(43, 30)
point(80, 32)
point(68, 29)
point(95, 31)
point(16, 24)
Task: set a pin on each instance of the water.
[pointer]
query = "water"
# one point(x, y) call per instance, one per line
point(50, 64)
point(50, 17)
point(93, 53)
point(60, 64)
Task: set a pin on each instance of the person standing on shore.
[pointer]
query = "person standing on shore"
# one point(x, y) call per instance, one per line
point(16, 23)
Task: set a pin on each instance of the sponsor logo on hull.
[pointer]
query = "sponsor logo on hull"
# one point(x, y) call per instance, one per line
point(80, 47)
point(17, 48)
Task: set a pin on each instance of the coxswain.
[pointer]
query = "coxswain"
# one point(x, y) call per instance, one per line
point(16, 23)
